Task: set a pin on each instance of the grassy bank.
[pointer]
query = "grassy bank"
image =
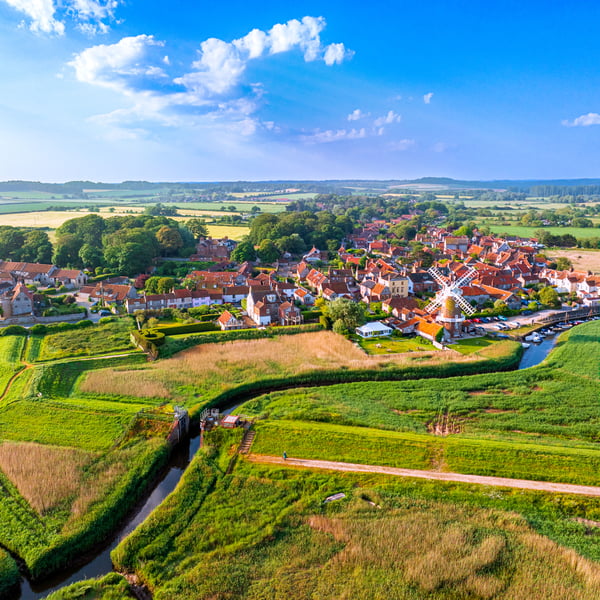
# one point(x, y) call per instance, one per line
point(264, 532)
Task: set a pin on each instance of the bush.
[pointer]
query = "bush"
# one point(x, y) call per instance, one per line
point(155, 337)
point(14, 330)
point(38, 329)
point(311, 315)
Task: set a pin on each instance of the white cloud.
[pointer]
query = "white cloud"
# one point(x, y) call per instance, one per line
point(442, 146)
point(583, 120)
point(41, 13)
point(427, 98)
point(391, 117)
point(221, 64)
point(213, 92)
point(48, 16)
point(330, 135)
point(113, 65)
point(336, 53)
point(401, 145)
point(357, 114)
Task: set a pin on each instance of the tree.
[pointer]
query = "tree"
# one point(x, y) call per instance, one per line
point(267, 251)
point(243, 252)
point(66, 251)
point(339, 327)
point(165, 285)
point(500, 306)
point(151, 285)
point(169, 239)
point(91, 256)
point(36, 248)
point(197, 227)
point(563, 263)
point(350, 313)
point(129, 258)
point(549, 296)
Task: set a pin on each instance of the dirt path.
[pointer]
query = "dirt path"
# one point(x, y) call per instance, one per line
point(544, 486)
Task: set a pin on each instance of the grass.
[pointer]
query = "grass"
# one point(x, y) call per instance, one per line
point(583, 260)
point(200, 374)
point(11, 348)
point(528, 232)
point(394, 345)
point(100, 339)
point(44, 488)
point(274, 538)
point(472, 345)
point(110, 587)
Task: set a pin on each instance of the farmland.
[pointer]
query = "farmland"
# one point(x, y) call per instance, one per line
point(529, 232)
point(583, 260)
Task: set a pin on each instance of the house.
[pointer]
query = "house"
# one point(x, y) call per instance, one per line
point(266, 307)
point(374, 329)
point(69, 278)
point(304, 297)
point(315, 255)
point(214, 250)
point(454, 244)
point(29, 273)
point(227, 321)
point(18, 302)
point(107, 292)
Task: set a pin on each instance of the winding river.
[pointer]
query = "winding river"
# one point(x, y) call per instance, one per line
point(101, 564)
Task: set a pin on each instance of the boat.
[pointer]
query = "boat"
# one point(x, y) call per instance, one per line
point(525, 345)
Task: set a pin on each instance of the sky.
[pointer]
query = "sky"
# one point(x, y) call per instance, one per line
point(191, 90)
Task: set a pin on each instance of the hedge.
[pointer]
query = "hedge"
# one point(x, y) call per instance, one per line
point(186, 328)
point(217, 337)
point(311, 315)
point(14, 330)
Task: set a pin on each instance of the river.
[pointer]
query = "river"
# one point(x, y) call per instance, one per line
point(180, 459)
point(101, 564)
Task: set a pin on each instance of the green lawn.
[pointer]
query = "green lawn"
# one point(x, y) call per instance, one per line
point(472, 345)
point(395, 345)
point(103, 338)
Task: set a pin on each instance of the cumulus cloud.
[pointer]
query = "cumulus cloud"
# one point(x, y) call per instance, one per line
point(331, 135)
point(214, 89)
point(40, 13)
point(221, 64)
point(401, 145)
point(115, 65)
point(357, 114)
point(49, 16)
point(583, 120)
point(391, 117)
point(427, 98)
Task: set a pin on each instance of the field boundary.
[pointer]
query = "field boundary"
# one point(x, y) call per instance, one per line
point(543, 486)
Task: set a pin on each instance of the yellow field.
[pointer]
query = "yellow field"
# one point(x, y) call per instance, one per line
point(583, 260)
point(233, 233)
point(193, 212)
point(54, 219)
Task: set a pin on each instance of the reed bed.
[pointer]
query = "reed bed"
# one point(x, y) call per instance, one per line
point(213, 368)
point(44, 475)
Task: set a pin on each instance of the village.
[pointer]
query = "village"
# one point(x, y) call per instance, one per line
point(458, 282)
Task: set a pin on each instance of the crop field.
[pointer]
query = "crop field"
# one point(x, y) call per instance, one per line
point(387, 538)
point(240, 207)
point(101, 339)
point(528, 232)
point(234, 233)
point(583, 260)
point(199, 374)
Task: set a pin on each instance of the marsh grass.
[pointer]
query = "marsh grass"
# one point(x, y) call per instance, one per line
point(207, 370)
point(44, 475)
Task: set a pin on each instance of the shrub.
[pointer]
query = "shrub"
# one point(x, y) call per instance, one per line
point(14, 330)
point(186, 328)
point(38, 329)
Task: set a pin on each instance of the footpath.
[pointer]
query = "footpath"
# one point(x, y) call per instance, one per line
point(525, 484)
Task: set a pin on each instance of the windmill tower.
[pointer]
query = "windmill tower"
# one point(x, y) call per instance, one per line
point(450, 299)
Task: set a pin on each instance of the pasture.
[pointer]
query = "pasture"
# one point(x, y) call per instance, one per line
point(232, 232)
point(582, 259)
point(528, 232)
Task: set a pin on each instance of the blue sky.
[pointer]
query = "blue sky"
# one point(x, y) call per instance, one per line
point(190, 90)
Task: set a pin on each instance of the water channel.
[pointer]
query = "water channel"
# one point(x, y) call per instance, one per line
point(101, 563)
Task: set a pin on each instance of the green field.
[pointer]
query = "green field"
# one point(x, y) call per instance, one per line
point(105, 338)
point(528, 232)
point(274, 538)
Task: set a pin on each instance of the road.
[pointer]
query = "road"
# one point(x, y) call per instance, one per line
point(525, 484)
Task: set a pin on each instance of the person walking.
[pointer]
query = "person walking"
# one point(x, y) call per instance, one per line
point(284, 455)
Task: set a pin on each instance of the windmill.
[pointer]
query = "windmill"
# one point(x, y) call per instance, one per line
point(450, 299)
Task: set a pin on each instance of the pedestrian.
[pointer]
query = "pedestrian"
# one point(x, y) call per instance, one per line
point(284, 455)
